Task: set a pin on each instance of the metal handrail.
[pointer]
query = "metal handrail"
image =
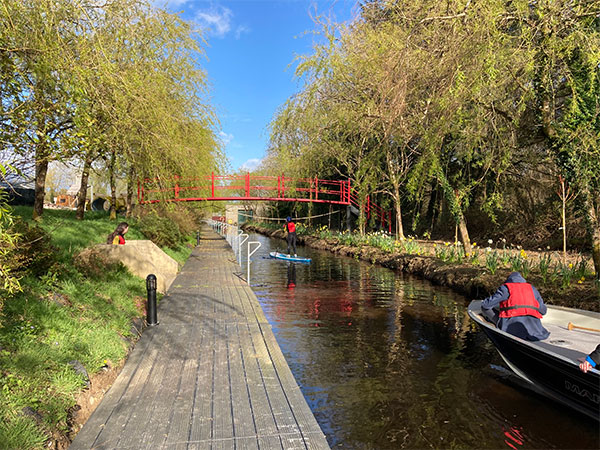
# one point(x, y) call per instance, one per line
point(231, 233)
point(249, 255)
point(240, 243)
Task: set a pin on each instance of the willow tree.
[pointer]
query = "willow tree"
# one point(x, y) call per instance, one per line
point(563, 40)
point(37, 111)
point(391, 98)
point(175, 124)
point(318, 127)
point(467, 133)
point(145, 112)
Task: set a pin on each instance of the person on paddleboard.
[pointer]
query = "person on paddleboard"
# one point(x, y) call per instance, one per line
point(290, 227)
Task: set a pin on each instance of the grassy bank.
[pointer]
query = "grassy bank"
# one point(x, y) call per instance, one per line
point(68, 319)
point(565, 282)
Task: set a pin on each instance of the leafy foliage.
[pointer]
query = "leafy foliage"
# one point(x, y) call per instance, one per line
point(116, 85)
point(34, 253)
point(160, 230)
point(452, 109)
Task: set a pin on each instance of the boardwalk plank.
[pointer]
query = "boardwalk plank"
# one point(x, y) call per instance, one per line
point(284, 418)
point(250, 443)
point(118, 417)
point(261, 408)
point(303, 416)
point(209, 376)
point(241, 408)
point(179, 424)
point(202, 411)
point(223, 420)
point(133, 431)
point(270, 442)
point(96, 423)
point(199, 446)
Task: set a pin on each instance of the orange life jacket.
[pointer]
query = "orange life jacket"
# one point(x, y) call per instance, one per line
point(291, 227)
point(521, 301)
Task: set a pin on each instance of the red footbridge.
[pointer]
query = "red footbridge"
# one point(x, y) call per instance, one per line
point(249, 188)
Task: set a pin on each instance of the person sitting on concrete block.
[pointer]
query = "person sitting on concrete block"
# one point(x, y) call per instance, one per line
point(117, 237)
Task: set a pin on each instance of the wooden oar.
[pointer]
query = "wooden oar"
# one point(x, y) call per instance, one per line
point(571, 326)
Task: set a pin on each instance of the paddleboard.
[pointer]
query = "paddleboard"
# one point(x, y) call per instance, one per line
point(287, 257)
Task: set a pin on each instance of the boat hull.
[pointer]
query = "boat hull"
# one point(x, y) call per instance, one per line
point(549, 373)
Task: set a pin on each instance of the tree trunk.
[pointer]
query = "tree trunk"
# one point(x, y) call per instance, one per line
point(41, 170)
point(362, 220)
point(563, 197)
point(130, 186)
point(113, 186)
point(464, 234)
point(596, 250)
point(82, 194)
point(594, 230)
point(398, 204)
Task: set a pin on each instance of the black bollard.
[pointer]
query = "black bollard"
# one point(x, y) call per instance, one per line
point(197, 239)
point(151, 305)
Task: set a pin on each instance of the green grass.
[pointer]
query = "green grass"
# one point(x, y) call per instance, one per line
point(62, 317)
point(71, 235)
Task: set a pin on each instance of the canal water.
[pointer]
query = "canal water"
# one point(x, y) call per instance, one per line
point(390, 361)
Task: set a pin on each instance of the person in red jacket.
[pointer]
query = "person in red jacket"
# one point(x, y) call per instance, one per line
point(290, 227)
point(118, 236)
point(517, 307)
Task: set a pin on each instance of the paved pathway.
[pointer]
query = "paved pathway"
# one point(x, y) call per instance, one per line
point(210, 376)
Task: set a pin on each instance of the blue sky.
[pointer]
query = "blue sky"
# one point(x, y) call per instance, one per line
point(251, 46)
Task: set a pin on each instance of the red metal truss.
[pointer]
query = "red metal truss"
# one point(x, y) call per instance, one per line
point(244, 188)
point(255, 188)
point(385, 217)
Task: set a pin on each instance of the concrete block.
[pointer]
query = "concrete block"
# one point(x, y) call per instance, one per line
point(142, 258)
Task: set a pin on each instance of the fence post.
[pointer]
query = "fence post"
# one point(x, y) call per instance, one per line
point(250, 253)
point(151, 304)
point(242, 238)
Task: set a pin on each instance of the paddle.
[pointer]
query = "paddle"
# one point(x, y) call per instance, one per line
point(570, 326)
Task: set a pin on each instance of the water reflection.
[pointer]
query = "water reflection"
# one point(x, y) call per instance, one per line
point(291, 275)
point(387, 361)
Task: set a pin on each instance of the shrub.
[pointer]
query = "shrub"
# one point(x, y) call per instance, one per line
point(168, 225)
point(93, 264)
point(160, 230)
point(33, 253)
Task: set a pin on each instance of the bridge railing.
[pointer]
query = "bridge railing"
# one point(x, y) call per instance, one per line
point(258, 188)
point(244, 187)
point(372, 209)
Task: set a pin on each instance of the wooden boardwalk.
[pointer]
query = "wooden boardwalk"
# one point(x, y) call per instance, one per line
point(210, 376)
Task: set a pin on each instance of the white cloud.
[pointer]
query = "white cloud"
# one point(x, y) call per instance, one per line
point(251, 164)
point(242, 29)
point(225, 138)
point(217, 20)
point(168, 3)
